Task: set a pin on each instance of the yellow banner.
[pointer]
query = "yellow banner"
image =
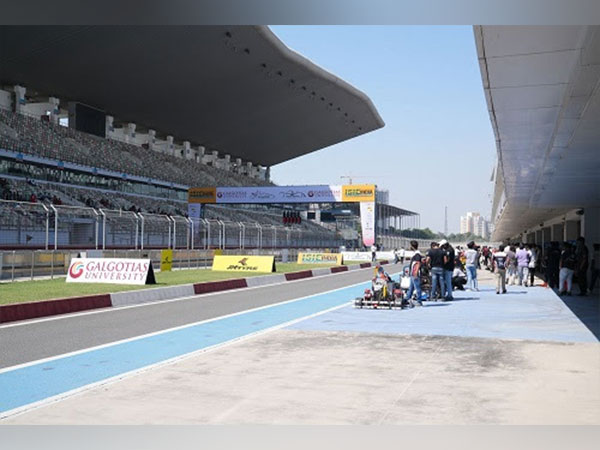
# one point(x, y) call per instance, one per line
point(166, 260)
point(202, 195)
point(320, 258)
point(241, 263)
point(358, 193)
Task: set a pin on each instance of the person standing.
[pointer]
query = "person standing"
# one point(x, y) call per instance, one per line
point(568, 263)
point(533, 262)
point(471, 256)
point(415, 276)
point(448, 267)
point(373, 253)
point(581, 255)
point(435, 258)
point(553, 264)
point(522, 265)
point(499, 268)
point(511, 267)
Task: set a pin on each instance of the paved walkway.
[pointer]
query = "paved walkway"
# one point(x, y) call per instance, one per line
point(521, 358)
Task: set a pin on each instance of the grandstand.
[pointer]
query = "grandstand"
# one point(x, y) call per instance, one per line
point(102, 176)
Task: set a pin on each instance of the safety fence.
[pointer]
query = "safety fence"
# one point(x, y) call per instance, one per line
point(31, 264)
point(38, 226)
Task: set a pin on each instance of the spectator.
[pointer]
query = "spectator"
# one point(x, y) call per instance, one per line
point(511, 268)
point(523, 265)
point(415, 276)
point(553, 264)
point(435, 259)
point(581, 255)
point(373, 253)
point(471, 257)
point(459, 278)
point(499, 259)
point(533, 262)
point(568, 263)
point(448, 267)
point(32, 198)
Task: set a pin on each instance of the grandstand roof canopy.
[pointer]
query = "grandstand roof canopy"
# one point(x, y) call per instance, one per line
point(236, 89)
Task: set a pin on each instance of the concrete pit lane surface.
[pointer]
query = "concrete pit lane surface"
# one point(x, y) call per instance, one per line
point(520, 358)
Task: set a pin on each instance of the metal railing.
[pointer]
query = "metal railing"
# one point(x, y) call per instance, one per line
point(26, 225)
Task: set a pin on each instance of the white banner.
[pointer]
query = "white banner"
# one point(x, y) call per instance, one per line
point(357, 256)
point(279, 194)
point(111, 270)
point(367, 222)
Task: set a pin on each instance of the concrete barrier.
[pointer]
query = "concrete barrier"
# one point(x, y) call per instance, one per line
point(151, 295)
point(265, 280)
point(32, 310)
point(321, 271)
point(298, 275)
point(216, 286)
point(338, 269)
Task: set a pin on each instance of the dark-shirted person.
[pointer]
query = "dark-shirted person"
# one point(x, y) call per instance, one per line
point(435, 259)
point(448, 267)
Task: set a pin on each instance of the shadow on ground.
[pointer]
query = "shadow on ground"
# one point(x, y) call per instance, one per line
point(587, 310)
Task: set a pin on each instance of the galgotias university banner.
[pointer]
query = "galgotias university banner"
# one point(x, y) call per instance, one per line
point(111, 270)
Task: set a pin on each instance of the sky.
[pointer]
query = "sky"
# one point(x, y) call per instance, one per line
point(437, 148)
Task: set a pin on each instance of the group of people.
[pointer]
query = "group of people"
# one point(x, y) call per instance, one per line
point(445, 265)
point(513, 264)
point(518, 263)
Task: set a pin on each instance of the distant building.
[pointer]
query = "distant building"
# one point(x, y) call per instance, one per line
point(474, 223)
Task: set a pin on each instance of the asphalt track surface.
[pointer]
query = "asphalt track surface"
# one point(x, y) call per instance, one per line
point(33, 340)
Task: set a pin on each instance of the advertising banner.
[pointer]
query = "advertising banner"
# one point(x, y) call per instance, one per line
point(367, 222)
point(166, 260)
point(241, 263)
point(357, 256)
point(320, 258)
point(279, 194)
point(358, 193)
point(202, 195)
point(283, 194)
point(111, 270)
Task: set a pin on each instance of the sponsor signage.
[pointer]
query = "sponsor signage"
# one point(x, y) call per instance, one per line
point(283, 194)
point(166, 260)
point(202, 195)
point(358, 193)
point(111, 270)
point(356, 256)
point(320, 258)
point(242, 263)
point(367, 222)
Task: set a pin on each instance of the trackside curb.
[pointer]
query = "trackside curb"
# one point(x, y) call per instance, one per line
point(34, 310)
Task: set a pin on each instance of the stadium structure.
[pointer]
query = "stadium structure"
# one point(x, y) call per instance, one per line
point(541, 86)
point(104, 129)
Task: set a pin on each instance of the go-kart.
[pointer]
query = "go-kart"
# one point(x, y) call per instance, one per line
point(383, 294)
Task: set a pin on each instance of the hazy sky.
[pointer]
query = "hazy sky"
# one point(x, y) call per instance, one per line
point(437, 147)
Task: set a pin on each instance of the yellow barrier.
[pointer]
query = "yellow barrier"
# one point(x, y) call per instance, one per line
point(320, 258)
point(241, 263)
